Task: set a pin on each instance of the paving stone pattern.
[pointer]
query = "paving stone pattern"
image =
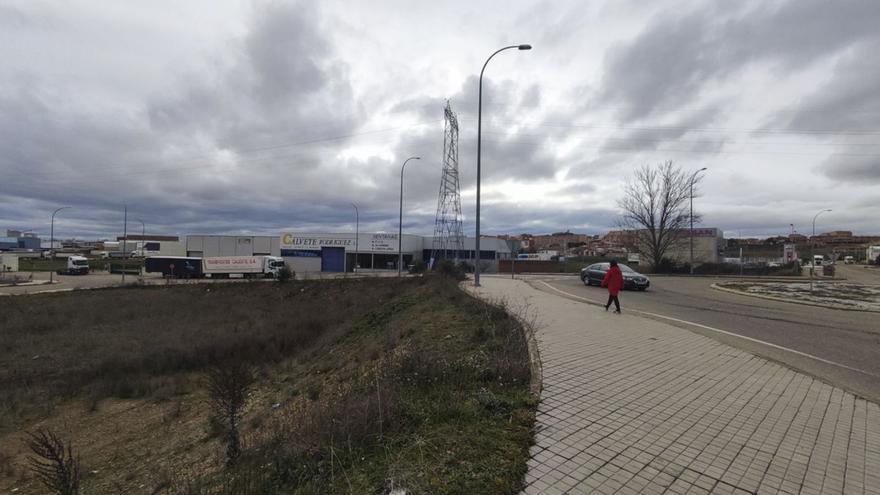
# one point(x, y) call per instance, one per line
point(631, 405)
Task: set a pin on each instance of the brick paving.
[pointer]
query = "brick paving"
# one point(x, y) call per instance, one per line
point(631, 405)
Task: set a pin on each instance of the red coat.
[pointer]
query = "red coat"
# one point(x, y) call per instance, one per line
point(613, 280)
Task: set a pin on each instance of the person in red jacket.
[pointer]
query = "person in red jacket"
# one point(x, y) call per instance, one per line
point(614, 281)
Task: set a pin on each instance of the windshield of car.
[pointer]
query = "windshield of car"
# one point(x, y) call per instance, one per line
point(80, 262)
point(626, 268)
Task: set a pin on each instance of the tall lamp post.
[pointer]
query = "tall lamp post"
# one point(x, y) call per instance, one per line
point(693, 178)
point(400, 222)
point(479, 151)
point(812, 247)
point(124, 240)
point(52, 240)
point(357, 226)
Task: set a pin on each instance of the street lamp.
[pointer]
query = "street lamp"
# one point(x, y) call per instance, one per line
point(52, 241)
point(812, 247)
point(400, 222)
point(693, 178)
point(357, 225)
point(124, 240)
point(479, 150)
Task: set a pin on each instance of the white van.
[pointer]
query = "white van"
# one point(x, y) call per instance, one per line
point(848, 260)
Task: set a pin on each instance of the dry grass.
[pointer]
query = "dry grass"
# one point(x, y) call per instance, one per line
point(363, 385)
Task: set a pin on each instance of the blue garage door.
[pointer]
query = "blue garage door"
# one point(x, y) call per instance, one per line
point(332, 259)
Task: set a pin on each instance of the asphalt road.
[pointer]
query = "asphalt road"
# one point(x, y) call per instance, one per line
point(861, 274)
point(841, 347)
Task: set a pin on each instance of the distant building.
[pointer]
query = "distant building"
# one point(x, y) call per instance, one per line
point(561, 241)
point(708, 243)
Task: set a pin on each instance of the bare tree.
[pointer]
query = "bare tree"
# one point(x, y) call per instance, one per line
point(655, 209)
point(53, 462)
point(229, 386)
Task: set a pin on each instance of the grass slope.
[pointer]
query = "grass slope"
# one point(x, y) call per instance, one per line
point(364, 386)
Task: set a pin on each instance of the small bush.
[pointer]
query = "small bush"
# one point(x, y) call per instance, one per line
point(418, 267)
point(285, 274)
point(229, 386)
point(448, 268)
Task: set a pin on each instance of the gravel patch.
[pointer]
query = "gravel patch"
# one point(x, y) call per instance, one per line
point(831, 294)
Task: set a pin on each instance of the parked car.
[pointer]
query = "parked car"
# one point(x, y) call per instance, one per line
point(593, 275)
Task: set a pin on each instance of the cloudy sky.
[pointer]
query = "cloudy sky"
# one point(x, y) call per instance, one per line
point(269, 116)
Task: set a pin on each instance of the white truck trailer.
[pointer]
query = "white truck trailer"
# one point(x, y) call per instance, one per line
point(215, 266)
point(246, 266)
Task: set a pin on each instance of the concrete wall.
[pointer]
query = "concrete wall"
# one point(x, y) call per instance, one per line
point(232, 245)
point(705, 250)
point(8, 263)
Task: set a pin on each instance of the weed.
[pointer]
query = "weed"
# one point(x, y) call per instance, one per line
point(228, 386)
point(54, 463)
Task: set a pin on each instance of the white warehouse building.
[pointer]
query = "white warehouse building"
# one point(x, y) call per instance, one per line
point(340, 252)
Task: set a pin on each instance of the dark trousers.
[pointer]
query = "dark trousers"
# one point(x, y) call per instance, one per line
point(613, 298)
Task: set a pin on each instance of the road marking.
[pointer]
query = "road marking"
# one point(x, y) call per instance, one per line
point(725, 332)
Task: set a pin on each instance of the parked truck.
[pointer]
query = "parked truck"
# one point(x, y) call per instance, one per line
point(76, 265)
point(872, 255)
point(247, 266)
point(174, 266)
point(215, 267)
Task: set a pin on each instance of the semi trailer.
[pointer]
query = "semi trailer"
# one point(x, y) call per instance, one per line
point(215, 267)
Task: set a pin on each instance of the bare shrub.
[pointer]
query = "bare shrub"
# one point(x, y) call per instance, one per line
point(53, 462)
point(229, 386)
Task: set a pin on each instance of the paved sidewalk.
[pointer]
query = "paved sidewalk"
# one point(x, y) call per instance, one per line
point(631, 405)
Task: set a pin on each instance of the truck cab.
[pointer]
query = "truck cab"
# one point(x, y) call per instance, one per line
point(76, 265)
point(272, 266)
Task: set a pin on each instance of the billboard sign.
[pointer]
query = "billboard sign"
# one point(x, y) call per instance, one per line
point(789, 253)
point(375, 243)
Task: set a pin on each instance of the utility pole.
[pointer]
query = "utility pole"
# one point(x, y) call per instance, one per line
point(400, 222)
point(812, 247)
point(357, 236)
point(693, 178)
point(52, 242)
point(124, 238)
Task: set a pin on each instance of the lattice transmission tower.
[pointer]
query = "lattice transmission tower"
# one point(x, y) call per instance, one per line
point(448, 237)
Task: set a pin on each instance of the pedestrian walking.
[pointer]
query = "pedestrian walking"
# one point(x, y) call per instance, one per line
point(614, 281)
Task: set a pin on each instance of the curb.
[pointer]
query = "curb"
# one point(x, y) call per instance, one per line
point(792, 301)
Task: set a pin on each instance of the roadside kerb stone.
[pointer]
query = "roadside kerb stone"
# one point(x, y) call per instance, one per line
point(633, 405)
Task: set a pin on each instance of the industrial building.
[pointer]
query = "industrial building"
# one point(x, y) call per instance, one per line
point(205, 246)
point(341, 252)
point(16, 240)
point(335, 252)
point(708, 244)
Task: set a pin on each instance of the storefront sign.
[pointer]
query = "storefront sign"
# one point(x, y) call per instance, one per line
point(305, 241)
point(384, 243)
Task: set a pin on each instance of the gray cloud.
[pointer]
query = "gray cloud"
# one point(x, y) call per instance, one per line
point(855, 169)
point(670, 63)
point(848, 101)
